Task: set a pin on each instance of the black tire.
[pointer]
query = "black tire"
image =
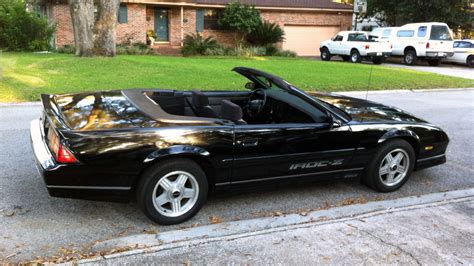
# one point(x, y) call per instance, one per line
point(434, 62)
point(150, 179)
point(325, 54)
point(372, 177)
point(378, 60)
point(346, 58)
point(355, 56)
point(410, 58)
point(470, 61)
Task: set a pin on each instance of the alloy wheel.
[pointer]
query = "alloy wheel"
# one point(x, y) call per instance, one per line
point(175, 194)
point(394, 167)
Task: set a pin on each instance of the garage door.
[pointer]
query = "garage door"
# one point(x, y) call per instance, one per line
point(305, 40)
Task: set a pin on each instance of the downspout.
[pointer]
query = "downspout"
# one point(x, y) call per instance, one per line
point(182, 25)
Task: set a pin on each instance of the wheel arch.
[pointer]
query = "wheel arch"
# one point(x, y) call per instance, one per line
point(411, 137)
point(408, 48)
point(354, 49)
point(196, 154)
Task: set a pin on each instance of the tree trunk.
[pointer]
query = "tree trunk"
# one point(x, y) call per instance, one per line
point(82, 15)
point(105, 33)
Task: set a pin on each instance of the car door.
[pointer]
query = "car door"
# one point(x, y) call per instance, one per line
point(286, 151)
point(335, 45)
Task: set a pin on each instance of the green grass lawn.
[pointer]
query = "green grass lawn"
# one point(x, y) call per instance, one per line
point(25, 76)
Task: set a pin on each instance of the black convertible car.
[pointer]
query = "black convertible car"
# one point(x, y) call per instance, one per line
point(168, 148)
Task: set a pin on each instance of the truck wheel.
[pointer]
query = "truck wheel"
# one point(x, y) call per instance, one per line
point(391, 166)
point(346, 58)
point(378, 60)
point(325, 54)
point(172, 192)
point(410, 57)
point(470, 61)
point(434, 62)
point(355, 56)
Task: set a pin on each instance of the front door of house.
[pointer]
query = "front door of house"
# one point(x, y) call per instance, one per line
point(161, 24)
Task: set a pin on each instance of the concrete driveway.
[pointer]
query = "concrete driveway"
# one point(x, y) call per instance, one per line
point(35, 224)
point(443, 69)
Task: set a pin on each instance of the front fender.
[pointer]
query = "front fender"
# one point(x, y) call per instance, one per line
point(176, 150)
point(397, 133)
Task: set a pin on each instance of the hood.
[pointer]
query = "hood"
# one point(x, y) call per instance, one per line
point(367, 111)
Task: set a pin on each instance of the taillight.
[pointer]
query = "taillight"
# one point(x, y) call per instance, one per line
point(427, 45)
point(61, 153)
point(65, 156)
point(367, 47)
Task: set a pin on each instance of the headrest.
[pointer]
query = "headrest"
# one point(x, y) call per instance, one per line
point(231, 111)
point(199, 99)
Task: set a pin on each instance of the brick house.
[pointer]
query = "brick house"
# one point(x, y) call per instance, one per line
point(305, 22)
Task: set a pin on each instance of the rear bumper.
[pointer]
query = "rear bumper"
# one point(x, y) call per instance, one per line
point(68, 181)
point(438, 54)
point(379, 54)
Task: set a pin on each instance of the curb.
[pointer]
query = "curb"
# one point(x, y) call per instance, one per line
point(348, 93)
point(147, 243)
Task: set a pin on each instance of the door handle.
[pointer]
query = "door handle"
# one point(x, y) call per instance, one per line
point(248, 142)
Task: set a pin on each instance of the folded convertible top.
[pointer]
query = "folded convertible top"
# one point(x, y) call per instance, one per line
point(142, 102)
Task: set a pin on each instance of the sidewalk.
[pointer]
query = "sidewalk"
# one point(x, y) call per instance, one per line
point(430, 229)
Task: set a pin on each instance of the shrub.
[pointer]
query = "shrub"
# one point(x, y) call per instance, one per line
point(195, 44)
point(21, 30)
point(134, 49)
point(271, 50)
point(66, 49)
point(265, 34)
point(285, 53)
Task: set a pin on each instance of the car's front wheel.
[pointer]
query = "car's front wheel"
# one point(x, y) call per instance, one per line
point(391, 167)
point(470, 61)
point(325, 54)
point(172, 191)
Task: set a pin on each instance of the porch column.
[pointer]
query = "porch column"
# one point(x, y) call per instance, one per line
point(182, 25)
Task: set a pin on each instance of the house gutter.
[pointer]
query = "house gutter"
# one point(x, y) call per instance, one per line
point(183, 4)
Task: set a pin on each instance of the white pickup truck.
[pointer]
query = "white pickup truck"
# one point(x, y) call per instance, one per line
point(355, 46)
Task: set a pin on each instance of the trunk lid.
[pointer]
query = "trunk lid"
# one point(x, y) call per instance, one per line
point(92, 111)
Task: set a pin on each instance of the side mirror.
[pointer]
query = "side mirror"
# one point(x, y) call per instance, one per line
point(333, 123)
point(250, 86)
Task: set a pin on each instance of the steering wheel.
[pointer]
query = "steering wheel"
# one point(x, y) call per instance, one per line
point(256, 102)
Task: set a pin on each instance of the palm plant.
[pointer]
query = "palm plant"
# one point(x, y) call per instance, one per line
point(266, 33)
point(196, 44)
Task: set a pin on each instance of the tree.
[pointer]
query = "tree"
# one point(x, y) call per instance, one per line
point(93, 37)
point(457, 14)
point(241, 18)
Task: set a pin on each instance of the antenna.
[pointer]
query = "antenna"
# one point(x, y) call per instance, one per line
point(370, 79)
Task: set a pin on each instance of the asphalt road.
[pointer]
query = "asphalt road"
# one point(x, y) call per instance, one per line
point(34, 224)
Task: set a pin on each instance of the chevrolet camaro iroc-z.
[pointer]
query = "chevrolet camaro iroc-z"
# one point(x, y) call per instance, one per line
point(168, 149)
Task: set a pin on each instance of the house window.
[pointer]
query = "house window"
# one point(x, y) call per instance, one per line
point(405, 33)
point(123, 14)
point(211, 19)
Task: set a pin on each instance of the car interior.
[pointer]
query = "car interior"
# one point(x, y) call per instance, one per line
point(259, 106)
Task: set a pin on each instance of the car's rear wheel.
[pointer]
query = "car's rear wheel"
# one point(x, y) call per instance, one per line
point(470, 61)
point(410, 58)
point(355, 56)
point(325, 54)
point(434, 62)
point(172, 191)
point(391, 167)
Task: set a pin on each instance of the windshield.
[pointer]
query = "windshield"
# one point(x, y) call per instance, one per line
point(440, 33)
